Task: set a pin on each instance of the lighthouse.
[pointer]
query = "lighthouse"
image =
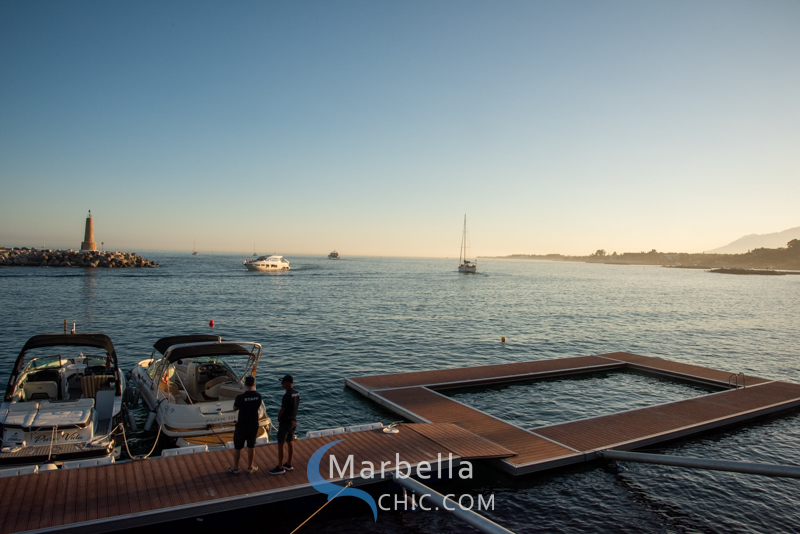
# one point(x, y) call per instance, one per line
point(88, 236)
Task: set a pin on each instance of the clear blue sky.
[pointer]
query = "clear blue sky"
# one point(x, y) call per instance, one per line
point(373, 127)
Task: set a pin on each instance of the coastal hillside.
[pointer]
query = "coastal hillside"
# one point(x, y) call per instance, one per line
point(754, 241)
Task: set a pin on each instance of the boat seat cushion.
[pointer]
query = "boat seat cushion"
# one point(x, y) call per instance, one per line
point(212, 386)
point(90, 384)
point(23, 407)
point(62, 415)
point(230, 390)
point(41, 390)
point(22, 413)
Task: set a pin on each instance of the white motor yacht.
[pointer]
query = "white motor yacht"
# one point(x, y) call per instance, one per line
point(191, 388)
point(267, 263)
point(63, 401)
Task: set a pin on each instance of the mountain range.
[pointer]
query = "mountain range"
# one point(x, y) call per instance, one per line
point(754, 241)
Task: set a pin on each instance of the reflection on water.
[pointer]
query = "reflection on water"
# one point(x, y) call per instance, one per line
point(88, 295)
point(550, 401)
point(325, 320)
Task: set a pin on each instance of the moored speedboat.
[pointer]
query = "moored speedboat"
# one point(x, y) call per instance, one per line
point(191, 388)
point(267, 263)
point(63, 401)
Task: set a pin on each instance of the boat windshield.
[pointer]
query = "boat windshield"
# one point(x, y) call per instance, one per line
point(45, 362)
point(228, 362)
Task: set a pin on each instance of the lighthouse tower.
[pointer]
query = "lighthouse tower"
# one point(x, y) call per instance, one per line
point(88, 236)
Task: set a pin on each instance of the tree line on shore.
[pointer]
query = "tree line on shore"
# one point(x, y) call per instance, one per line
point(760, 258)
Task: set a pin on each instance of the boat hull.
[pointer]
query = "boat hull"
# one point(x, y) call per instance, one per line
point(265, 268)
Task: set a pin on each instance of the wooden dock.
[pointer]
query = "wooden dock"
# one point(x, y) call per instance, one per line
point(139, 493)
point(414, 396)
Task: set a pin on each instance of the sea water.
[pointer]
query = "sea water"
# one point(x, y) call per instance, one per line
point(326, 320)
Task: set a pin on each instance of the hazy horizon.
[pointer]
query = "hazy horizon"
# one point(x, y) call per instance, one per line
point(372, 128)
point(261, 252)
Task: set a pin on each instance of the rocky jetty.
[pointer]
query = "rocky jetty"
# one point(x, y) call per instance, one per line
point(32, 257)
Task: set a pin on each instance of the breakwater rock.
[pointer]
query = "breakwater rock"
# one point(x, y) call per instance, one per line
point(32, 257)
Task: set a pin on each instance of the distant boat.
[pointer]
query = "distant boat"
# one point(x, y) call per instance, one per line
point(465, 266)
point(254, 250)
point(194, 246)
point(333, 255)
point(267, 263)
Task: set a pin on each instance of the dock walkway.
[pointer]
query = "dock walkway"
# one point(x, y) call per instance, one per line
point(138, 493)
point(415, 396)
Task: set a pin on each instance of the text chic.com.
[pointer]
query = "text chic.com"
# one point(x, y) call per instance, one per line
point(402, 469)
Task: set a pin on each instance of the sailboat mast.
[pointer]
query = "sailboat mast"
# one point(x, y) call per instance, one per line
point(462, 254)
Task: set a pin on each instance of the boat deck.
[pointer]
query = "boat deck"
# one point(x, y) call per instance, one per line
point(414, 396)
point(132, 494)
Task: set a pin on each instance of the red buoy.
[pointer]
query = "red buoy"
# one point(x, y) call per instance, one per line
point(211, 323)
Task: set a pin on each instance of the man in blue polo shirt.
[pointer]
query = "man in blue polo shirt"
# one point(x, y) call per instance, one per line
point(287, 423)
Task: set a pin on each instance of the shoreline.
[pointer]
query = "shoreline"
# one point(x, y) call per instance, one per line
point(673, 261)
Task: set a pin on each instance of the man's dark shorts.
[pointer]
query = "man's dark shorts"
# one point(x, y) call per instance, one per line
point(242, 435)
point(286, 431)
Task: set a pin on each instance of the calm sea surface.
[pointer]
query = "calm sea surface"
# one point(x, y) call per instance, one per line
point(327, 320)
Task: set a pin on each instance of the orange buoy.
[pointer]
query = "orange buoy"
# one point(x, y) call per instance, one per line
point(211, 323)
point(502, 340)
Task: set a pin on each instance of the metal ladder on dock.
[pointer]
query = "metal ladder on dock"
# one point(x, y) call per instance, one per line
point(733, 381)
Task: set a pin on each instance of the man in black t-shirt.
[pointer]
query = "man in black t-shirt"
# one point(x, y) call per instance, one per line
point(248, 405)
point(287, 423)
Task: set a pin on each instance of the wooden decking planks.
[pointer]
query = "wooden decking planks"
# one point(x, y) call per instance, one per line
point(437, 408)
point(682, 369)
point(113, 496)
point(465, 376)
point(638, 426)
point(413, 395)
point(464, 443)
point(42, 451)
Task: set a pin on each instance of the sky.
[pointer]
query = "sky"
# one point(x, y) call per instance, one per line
point(375, 127)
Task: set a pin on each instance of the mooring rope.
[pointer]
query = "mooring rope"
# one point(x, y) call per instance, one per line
point(211, 428)
point(323, 506)
point(52, 437)
point(125, 440)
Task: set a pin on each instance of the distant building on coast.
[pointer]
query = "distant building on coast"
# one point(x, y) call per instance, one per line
point(88, 236)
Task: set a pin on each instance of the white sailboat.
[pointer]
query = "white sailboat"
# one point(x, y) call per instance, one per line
point(465, 266)
point(194, 248)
